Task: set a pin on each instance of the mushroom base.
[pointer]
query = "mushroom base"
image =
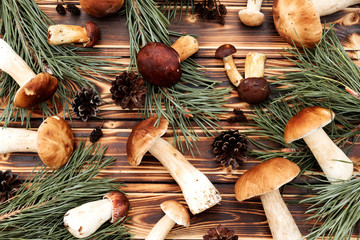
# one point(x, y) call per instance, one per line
point(161, 229)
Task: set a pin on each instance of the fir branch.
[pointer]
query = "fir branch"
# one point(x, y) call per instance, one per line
point(193, 99)
point(37, 210)
point(24, 27)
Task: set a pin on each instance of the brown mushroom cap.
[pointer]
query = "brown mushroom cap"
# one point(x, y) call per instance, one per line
point(142, 137)
point(265, 177)
point(225, 50)
point(93, 33)
point(298, 21)
point(55, 142)
point(42, 87)
point(120, 205)
point(177, 212)
point(159, 64)
point(307, 121)
point(102, 8)
point(253, 89)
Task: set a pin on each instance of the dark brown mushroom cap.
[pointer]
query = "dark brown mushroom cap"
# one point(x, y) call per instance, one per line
point(42, 87)
point(307, 121)
point(159, 64)
point(55, 142)
point(142, 137)
point(176, 212)
point(120, 205)
point(298, 21)
point(93, 33)
point(225, 50)
point(265, 177)
point(253, 90)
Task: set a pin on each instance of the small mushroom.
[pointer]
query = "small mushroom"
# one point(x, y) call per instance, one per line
point(225, 52)
point(54, 141)
point(251, 16)
point(33, 88)
point(175, 213)
point(264, 180)
point(84, 220)
point(308, 124)
point(62, 34)
point(254, 88)
point(101, 8)
point(159, 64)
point(199, 193)
point(298, 21)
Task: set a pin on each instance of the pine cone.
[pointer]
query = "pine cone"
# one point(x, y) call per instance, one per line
point(128, 90)
point(222, 9)
point(239, 116)
point(73, 9)
point(9, 185)
point(96, 134)
point(60, 9)
point(230, 148)
point(220, 233)
point(86, 103)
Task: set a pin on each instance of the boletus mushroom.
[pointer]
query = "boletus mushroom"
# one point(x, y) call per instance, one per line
point(159, 64)
point(254, 88)
point(84, 220)
point(308, 124)
point(298, 21)
point(54, 141)
point(251, 15)
point(199, 193)
point(34, 88)
point(62, 34)
point(175, 213)
point(264, 180)
point(225, 52)
point(101, 8)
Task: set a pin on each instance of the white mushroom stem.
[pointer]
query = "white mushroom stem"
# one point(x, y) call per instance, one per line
point(326, 7)
point(254, 5)
point(199, 193)
point(186, 46)
point(161, 229)
point(255, 65)
point(281, 223)
point(14, 65)
point(61, 34)
point(232, 71)
point(17, 140)
point(332, 160)
point(84, 220)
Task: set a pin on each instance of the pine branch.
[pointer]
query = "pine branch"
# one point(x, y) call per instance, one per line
point(37, 210)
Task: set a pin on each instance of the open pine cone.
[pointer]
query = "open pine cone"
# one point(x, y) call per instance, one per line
point(128, 90)
point(230, 148)
point(9, 185)
point(86, 103)
point(220, 233)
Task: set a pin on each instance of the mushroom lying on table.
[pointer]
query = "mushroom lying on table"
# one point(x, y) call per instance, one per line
point(62, 34)
point(84, 220)
point(33, 88)
point(308, 124)
point(251, 16)
point(54, 141)
point(159, 64)
point(299, 20)
point(265, 180)
point(174, 213)
point(199, 193)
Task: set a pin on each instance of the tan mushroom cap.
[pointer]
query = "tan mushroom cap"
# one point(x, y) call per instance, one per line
point(142, 137)
point(177, 212)
point(251, 18)
point(307, 121)
point(42, 87)
point(298, 21)
point(265, 177)
point(120, 205)
point(55, 142)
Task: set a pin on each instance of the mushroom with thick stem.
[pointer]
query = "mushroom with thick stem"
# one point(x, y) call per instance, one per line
point(298, 21)
point(225, 52)
point(54, 141)
point(62, 34)
point(308, 124)
point(254, 88)
point(265, 180)
point(84, 220)
point(33, 88)
point(251, 16)
point(159, 64)
point(175, 213)
point(199, 193)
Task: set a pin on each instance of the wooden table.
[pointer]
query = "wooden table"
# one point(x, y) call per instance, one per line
point(149, 184)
